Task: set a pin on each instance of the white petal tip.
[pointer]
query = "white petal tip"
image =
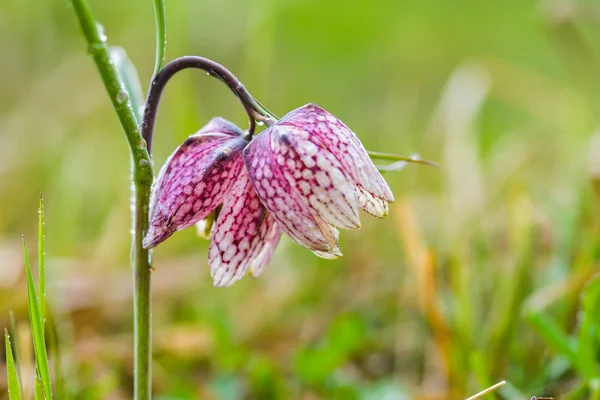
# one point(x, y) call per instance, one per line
point(329, 255)
point(221, 283)
point(220, 279)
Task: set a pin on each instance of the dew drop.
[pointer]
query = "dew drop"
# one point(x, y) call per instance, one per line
point(260, 123)
point(143, 162)
point(122, 96)
point(101, 32)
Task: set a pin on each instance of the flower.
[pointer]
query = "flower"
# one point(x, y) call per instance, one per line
point(306, 175)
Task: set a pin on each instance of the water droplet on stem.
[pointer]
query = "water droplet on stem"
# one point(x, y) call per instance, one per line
point(122, 96)
point(101, 32)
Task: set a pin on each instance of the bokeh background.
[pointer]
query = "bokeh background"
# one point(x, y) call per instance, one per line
point(476, 276)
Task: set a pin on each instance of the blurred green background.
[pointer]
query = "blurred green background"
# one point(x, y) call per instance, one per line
point(478, 274)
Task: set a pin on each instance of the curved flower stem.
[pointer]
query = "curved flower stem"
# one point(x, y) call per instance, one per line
point(255, 111)
point(142, 181)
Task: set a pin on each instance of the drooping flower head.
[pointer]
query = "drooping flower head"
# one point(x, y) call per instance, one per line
point(306, 175)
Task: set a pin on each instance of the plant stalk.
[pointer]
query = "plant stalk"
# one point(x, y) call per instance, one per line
point(254, 110)
point(142, 182)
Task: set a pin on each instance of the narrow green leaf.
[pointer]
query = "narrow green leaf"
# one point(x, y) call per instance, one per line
point(42, 259)
point(38, 390)
point(14, 391)
point(37, 328)
point(554, 336)
point(15, 342)
point(590, 324)
point(478, 364)
point(55, 354)
point(161, 34)
point(393, 167)
point(129, 77)
point(414, 159)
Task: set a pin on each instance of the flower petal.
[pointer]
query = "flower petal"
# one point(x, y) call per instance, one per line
point(343, 143)
point(271, 232)
point(286, 206)
point(316, 175)
point(241, 234)
point(221, 125)
point(333, 236)
point(192, 183)
point(373, 205)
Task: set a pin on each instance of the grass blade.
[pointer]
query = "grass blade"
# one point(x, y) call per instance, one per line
point(38, 390)
point(561, 343)
point(590, 324)
point(14, 390)
point(15, 341)
point(37, 329)
point(413, 159)
point(55, 353)
point(42, 259)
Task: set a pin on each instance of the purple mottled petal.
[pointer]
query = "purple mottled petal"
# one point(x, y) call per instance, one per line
point(373, 205)
point(192, 183)
point(271, 232)
point(286, 206)
point(343, 143)
point(240, 233)
point(316, 175)
point(221, 125)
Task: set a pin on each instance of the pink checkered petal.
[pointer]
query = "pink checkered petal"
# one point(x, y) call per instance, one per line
point(271, 232)
point(221, 125)
point(281, 200)
point(316, 176)
point(343, 143)
point(192, 183)
point(241, 233)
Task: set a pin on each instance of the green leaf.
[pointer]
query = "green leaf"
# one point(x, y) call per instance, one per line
point(42, 259)
point(560, 342)
point(590, 324)
point(13, 329)
point(38, 393)
point(37, 329)
point(55, 354)
point(129, 76)
point(413, 159)
point(14, 391)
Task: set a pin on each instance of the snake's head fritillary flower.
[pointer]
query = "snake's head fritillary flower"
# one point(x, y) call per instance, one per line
point(306, 175)
point(313, 174)
point(195, 179)
point(205, 172)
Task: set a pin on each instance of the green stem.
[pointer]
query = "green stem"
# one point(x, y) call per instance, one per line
point(142, 181)
point(161, 35)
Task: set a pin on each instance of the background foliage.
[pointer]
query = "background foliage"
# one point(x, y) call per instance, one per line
point(476, 276)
